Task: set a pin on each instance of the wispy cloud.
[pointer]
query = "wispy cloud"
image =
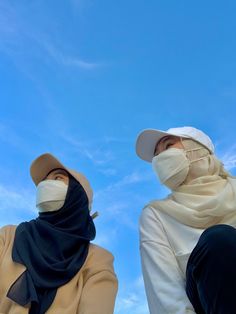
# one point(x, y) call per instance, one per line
point(7, 22)
point(111, 139)
point(109, 172)
point(81, 4)
point(18, 38)
point(14, 199)
point(118, 197)
point(96, 153)
point(121, 200)
point(67, 60)
point(115, 208)
point(133, 178)
point(12, 138)
point(15, 204)
point(106, 237)
point(228, 158)
point(133, 300)
point(229, 161)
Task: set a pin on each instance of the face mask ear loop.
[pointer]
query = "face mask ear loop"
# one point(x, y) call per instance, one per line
point(181, 140)
point(194, 149)
point(199, 159)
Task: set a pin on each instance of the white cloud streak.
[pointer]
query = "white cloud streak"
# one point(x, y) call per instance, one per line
point(229, 158)
point(81, 5)
point(230, 162)
point(66, 60)
point(11, 199)
point(15, 204)
point(18, 38)
point(121, 201)
point(130, 179)
point(133, 301)
point(12, 138)
point(96, 154)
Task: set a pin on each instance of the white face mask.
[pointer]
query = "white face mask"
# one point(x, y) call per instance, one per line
point(50, 195)
point(171, 167)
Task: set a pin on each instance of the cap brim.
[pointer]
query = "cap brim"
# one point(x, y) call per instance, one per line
point(42, 165)
point(146, 142)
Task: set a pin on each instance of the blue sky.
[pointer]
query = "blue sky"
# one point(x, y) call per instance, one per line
point(81, 78)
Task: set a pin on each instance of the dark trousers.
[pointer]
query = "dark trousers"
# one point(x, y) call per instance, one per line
point(211, 272)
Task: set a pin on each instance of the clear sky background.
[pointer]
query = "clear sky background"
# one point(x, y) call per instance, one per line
point(81, 78)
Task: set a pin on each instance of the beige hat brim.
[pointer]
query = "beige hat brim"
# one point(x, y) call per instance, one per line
point(45, 163)
point(42, 165)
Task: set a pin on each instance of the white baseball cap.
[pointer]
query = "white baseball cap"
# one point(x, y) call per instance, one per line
point(147, 140)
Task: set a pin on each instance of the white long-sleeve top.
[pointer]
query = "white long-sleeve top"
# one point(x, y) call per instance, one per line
point(165, 246)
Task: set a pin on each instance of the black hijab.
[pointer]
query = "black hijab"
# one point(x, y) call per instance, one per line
point(53, 248)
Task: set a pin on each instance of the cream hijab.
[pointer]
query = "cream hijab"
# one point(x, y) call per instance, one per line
point(207, 196)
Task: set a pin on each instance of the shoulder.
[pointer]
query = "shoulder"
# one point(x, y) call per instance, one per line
point(149, 214)
point(96, 250)
point(8, 231)
point(151, 227)
point(99, 261)
point(153, 211)
point(7, 235)
point(100, 257)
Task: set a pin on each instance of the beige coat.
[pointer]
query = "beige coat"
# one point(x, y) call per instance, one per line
point(91, 291)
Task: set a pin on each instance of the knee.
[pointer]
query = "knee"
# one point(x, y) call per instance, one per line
point(219, 237)
point(218, 229)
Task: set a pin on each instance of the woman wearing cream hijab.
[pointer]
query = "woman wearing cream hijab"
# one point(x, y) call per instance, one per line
point(188, 239)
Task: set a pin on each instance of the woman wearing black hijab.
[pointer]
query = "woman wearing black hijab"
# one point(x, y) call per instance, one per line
point(48, 265)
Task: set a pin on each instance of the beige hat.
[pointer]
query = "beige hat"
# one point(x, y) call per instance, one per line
point(45, 163)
